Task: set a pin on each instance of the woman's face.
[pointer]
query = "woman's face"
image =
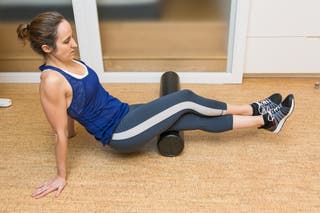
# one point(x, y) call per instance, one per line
point(65, 43)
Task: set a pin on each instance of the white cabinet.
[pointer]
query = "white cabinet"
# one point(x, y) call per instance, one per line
point(283, 37)
point(283, 55)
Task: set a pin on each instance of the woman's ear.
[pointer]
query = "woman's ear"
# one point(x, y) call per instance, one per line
point(46, 48)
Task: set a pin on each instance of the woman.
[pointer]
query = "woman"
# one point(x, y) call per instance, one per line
point(69, 89)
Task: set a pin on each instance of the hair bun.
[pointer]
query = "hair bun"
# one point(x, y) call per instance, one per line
point(23, 31)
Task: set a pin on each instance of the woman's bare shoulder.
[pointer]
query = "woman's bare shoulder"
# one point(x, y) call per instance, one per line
point(52, 82)
point(51, 78)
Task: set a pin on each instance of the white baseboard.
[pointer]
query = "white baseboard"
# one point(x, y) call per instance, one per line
point(19, 77)
point(131, 77)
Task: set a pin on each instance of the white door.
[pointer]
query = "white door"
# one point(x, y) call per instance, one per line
point(197, 67)
point(148, 54)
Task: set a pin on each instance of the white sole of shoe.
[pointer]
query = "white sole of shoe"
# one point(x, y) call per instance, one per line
point(4, 102)
point(277, 130)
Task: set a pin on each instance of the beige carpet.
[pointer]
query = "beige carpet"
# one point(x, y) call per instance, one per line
point(238, 171)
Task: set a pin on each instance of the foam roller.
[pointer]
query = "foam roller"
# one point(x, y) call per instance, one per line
point(170, 143)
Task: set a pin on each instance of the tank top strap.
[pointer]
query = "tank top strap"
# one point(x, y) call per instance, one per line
point(49, 67)
point(62, 72)
point(46, 67)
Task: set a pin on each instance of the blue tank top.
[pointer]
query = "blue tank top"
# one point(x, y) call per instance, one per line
point(91, 105)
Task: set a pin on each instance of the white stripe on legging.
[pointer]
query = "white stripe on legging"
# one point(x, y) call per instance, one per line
point(164, 115)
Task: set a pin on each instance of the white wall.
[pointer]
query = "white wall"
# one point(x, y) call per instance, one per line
point(283, 37)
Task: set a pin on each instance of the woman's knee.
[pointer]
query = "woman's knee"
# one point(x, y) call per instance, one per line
point(187, 93)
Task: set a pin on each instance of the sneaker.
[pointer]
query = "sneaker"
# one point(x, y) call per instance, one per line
point(264, 106)
point(276, 117)
point(4, 102)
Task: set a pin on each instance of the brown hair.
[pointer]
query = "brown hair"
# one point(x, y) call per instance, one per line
point(42, 30)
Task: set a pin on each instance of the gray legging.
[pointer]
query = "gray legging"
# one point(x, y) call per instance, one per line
point(182, 110)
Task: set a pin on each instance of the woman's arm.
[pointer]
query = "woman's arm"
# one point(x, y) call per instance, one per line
point(53, 92)
point(71, 130)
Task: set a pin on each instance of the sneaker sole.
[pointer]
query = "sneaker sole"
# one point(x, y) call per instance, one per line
point(279, 127)
point(5, 102)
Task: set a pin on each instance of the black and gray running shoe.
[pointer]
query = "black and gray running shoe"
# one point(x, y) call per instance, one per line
point(262, 107)
point(275, 118)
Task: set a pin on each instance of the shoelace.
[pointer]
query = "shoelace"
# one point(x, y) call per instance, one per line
point(265, 106)
point(274, 114)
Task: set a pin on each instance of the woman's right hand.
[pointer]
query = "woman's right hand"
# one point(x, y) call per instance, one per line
point(54, 94)
point(55, 184)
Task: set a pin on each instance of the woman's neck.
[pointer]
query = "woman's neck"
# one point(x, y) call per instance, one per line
point(59, 63)
point(69, 66)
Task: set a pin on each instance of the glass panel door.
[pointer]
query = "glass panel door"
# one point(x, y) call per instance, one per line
point(160, 35)
point(204, 40)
